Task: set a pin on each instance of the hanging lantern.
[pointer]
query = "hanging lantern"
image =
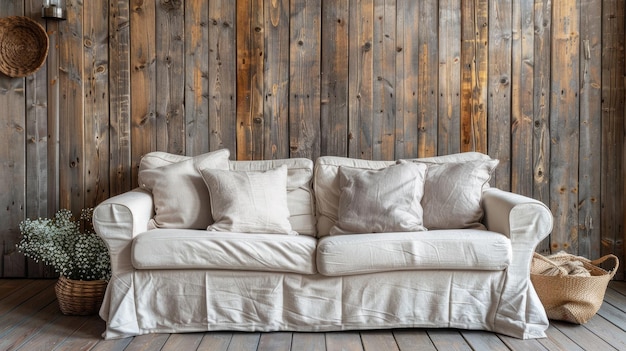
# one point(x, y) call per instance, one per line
point(53, 9)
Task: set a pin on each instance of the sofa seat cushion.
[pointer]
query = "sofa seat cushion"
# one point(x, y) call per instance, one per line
point(197, 249)
point(465, 249)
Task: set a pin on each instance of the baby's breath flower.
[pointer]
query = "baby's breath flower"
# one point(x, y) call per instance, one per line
point(75, 253)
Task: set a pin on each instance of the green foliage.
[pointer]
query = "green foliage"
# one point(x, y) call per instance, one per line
point(59, 242)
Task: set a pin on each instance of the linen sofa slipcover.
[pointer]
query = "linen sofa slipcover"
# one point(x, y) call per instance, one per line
point(476, 276)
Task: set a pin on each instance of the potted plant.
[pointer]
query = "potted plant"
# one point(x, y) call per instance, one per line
point(76, 252)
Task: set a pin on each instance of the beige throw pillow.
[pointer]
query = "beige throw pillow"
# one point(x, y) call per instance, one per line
point(453, 193)
point(181, 199)
point(380, 201)
point(249, 202)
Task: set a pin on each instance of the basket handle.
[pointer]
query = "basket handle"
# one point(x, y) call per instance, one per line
point(606, 257)
point(538, 256)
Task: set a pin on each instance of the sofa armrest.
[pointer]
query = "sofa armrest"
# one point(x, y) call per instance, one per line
point(117, 220)
point(526, 222)
point(516, 216)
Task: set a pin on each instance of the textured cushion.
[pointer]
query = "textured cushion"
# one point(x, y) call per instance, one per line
point(181, 199)
point(195, 249)
point(249, 202)
point(380, 201)
point(326, 181)
point(453, 193)
point(299, 193)
point(464, 249)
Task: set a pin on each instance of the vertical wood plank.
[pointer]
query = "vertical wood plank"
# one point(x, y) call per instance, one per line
point(564, 125)
point(613, 125)
point(360, 75)
point(12, 161)
point(120, 166)
point(499, 104)
point(276, 80)
point(72, 110)
point(96, 92)
point(449, 114)
point(474, 74)
point(222, 76)
point(250, 45)
point(522, 113)
point(384, 106)
point(590, 127)
point(142, 81)
point(541, 107)
point(36, 131)
point(37, 184)
point(428, 85)
point(305, 70)
point(407, 65)
point(334, 80)
point(170, 96)
point(197, 27)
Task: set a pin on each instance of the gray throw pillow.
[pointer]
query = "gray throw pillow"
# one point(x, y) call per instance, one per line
point(380, 201)
point(453, 194)
point(249, 202)
point(181, 199)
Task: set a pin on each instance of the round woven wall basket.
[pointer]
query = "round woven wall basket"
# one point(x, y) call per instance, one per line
point(23, 46)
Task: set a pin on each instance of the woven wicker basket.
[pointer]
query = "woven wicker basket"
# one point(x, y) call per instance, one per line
point(80, 297)
point(23, 46)
point(566, 297)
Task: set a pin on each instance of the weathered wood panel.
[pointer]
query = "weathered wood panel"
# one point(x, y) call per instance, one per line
point(304, 78)
point(250, 45)
point(72, 110)
point(407, 66)
point(536, 83)
point(120, 178)
point(96, 92)
point(360, 77)
point(428, 84)
point(143, 82)
point(222, 77)
point(12, 160)
point(334, 81)
point(474, 74)
point(449, 113)
point(522, 98)
point(170, 95)
point(590, 159)
point(197, 24)
point(564, 124)
point(541, 107)
point(276, 80)
point(499, 90)
point(613, 166)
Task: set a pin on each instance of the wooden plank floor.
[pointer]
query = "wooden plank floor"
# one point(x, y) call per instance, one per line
point(30, 320)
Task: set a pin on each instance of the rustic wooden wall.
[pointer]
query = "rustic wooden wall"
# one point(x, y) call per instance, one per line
point(537, 84)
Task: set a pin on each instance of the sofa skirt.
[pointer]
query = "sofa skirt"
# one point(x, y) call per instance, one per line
point(174, 301)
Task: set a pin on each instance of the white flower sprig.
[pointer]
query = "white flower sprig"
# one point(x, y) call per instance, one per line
point(60, 243)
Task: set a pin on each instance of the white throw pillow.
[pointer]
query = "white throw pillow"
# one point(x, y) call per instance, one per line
point(380, 201)
point(453, 193)
point(181, 199)
point(249, 202)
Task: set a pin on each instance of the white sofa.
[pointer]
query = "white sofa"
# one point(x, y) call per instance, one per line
point(469, 270)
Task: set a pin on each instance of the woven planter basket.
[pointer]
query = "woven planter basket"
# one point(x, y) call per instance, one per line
point(80, 297)
point(570, 298)
point(23, 46)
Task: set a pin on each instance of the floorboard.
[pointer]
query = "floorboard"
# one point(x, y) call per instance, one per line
point(30, 319)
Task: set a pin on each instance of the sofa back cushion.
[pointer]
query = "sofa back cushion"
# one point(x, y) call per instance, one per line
point(327, 188)
point(300, 201)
